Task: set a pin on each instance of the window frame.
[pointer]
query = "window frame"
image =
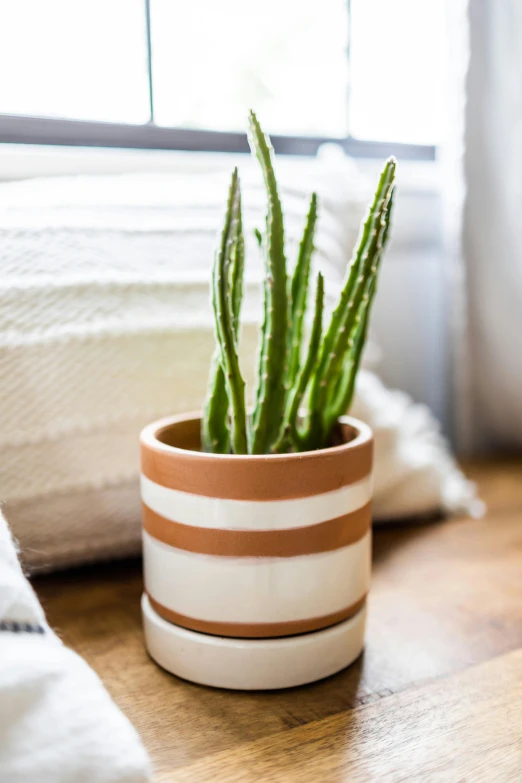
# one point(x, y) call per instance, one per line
point(17, 129)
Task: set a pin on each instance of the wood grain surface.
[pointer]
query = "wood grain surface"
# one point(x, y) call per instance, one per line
point(436, 695)
point(460, 728)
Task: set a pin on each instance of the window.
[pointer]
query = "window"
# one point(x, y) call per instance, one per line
point(177, 74)
point(76, 60)
point(285, 57)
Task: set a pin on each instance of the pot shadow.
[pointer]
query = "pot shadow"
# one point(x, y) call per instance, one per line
point(387, 536)
point(325, 697)
point(289, 707)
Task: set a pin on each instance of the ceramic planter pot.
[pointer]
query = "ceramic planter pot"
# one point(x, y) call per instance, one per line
point(256, 567)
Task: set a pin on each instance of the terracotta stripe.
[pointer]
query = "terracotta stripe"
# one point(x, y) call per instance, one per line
point(257, 630)
point(170, 456)
point(323, 537)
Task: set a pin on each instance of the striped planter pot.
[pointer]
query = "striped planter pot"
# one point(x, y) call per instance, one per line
point(252, 556)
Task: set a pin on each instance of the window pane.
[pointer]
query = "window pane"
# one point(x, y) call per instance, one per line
point(397, 75)
point(286, 59)
point(78, 59)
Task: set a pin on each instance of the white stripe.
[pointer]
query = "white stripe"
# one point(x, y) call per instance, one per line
point(226, 514)
point(263, 590)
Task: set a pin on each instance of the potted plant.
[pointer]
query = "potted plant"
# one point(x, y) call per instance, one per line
point(257, 523)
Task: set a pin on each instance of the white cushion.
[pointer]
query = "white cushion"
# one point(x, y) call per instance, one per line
point(105, 324)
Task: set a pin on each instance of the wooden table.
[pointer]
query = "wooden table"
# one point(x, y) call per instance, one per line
point(436, 696)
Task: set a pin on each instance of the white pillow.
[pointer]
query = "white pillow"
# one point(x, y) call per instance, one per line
point(105, 324)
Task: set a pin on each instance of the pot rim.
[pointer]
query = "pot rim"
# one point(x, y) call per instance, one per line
point(149, 438)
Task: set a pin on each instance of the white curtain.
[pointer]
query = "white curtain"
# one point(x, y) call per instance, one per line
point(489, 358)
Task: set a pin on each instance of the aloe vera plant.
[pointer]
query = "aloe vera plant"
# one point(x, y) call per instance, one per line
point(300, 391)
